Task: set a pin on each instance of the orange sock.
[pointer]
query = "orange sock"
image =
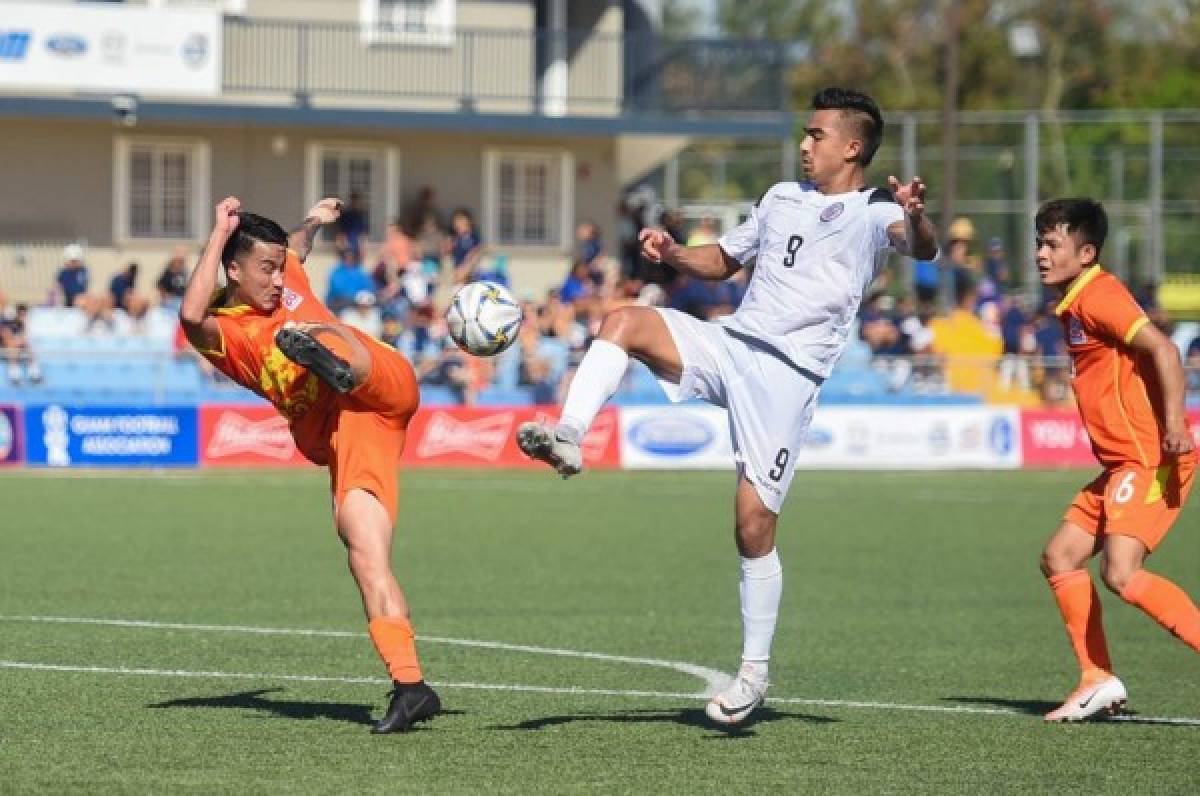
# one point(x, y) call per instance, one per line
point(1084, 618)
point(394, 640)
point(1166, 604)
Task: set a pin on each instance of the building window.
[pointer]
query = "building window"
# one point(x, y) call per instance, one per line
point(346, 171)
point(420, 21)
point(529, 198)
point(162, 188)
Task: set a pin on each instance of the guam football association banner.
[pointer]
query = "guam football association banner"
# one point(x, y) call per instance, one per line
point(11, 448)
point(122, 436)
point(485, 437)
point(246, 436)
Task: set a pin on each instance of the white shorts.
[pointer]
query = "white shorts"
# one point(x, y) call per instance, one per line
point(770, 401)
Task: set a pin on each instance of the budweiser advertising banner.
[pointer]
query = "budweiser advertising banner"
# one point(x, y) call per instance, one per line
point(460, 437)
point(240, 436)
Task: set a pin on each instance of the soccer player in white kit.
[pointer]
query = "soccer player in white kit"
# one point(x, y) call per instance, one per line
point(815, 243)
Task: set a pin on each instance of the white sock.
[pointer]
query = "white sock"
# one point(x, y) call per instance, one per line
point(761, 588)
point(595, 381)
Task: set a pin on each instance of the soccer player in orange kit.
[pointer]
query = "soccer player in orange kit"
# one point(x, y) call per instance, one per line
point(347, 397)
point(1129, 384)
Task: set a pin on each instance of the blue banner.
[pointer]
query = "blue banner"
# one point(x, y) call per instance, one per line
point(87, 436)
point(11, 449)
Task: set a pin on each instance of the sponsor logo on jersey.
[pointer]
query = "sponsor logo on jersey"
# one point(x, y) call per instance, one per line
point(236, 435)
point(1075, 328)
point(291, 299)
point(671, 435)
point(66, 45)
point(484, 437)
point(832, 211)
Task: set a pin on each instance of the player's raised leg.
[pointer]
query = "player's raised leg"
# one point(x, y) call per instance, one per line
point(1064, 563)
point(760, 589)
point(639, 332)
point(1159, 598)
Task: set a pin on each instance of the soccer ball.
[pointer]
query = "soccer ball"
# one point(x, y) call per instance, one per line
point(483, 318)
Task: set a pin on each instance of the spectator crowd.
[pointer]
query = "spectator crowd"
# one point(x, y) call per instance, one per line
point(956, 325)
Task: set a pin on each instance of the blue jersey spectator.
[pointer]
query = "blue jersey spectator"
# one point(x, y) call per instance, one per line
point(73, 276)
point(465, 246)
point(1011, 323)
point(578, 283)
point(346, 281)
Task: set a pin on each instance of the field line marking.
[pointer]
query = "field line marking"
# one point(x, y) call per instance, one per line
point(538, 689)
point(713, 680)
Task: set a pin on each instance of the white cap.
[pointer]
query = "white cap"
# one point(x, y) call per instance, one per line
point(72, 251)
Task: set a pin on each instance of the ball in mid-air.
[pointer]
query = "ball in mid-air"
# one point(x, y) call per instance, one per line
point(484, 318)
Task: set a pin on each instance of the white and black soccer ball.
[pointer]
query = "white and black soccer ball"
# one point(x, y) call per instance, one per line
point(484, 318)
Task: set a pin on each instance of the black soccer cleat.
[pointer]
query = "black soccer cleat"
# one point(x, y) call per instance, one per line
point(411, 702)
point(304, 349)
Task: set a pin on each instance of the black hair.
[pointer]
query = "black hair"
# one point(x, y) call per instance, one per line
point(858, 108)
point(252, 228)
point(1084, 218)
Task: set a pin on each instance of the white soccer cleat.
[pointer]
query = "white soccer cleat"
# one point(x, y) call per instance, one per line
point(547, 444)
point(1106, 698)
point(738, 699)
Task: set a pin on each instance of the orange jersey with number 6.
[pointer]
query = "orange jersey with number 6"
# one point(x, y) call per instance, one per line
point(1120, 399)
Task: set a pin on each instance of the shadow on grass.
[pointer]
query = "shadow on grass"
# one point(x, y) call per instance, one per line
point(689, 717)
point(1039, 708)
point(1030, 707)
point(284, 708)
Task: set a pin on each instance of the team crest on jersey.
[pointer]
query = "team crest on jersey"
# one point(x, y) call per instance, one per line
point(1075, 331)
point(832, 212)
point(291, 299)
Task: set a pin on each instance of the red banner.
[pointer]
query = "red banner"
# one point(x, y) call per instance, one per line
point(1057, 438)
point(241, 436)
point(485, 437)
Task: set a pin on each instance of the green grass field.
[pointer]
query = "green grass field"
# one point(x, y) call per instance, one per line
point(906, 596)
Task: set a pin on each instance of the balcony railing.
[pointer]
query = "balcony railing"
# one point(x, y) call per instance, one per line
point(502, 71)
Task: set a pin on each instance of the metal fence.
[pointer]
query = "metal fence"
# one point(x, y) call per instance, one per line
point(496, 70)
point(1144, 165)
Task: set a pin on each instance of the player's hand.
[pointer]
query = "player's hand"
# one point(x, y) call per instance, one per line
point(227, 215)
point(1178, 441)
point(325, 211)
point(910, 196)
point(657, 244)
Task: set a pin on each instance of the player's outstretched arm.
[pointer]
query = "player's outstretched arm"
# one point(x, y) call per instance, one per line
point(323, 212)
point(201, 328)
point(1177, 438)
point(702, 262)
point(915, 236)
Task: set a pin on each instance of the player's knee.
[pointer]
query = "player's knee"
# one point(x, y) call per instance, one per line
point(1116, 574)
point(1053, 562)
point(621, 326)
point(755, 533)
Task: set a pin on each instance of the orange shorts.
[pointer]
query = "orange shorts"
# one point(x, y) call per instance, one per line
point(360, 436)
point(1131, 500)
